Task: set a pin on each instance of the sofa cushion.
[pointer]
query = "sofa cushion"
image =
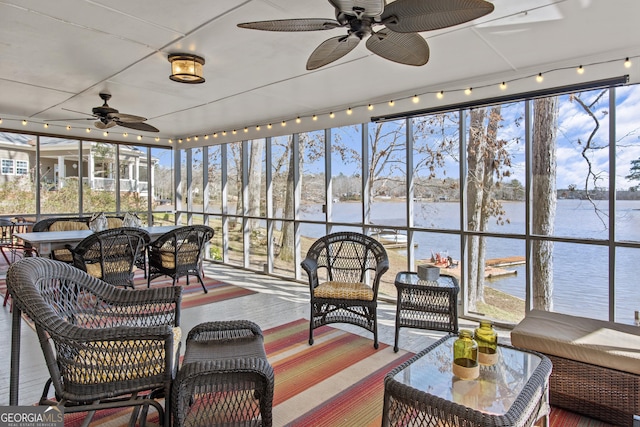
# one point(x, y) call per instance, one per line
point(607, 344)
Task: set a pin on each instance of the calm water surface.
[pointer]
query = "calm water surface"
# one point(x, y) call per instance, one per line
point(580, 271)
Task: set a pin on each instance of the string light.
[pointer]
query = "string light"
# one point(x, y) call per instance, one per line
point(125, 134)
point(188, 139)
point(224, 133)
point(105, 133)
point(391, 103)
point(139, 137)
point(580, 70)
point(539, 78)
point(195, 137)
point(503, 86)
point(416, 99)
point(440, 94)
point(331, 115)
point(215, 134)
point(298, 119)
point(157, 139)
point(180, 141)
point(0, 120)
point(46, 125)
point(88, 130)
point(283, 123)
point(68, 127)
point(234, 131)
point(370, 107)
point(24, 123)
point(349, 111)
point(314, 118)
point(206, 137)
point(627, 63)
point(257, 127)
point(246, 129)
point(170, 141)
point(467, 91)
point(269, 126)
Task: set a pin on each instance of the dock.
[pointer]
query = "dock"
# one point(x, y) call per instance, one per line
point(494, 267)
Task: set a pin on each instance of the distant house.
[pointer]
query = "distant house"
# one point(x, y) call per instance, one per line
point(59, 163)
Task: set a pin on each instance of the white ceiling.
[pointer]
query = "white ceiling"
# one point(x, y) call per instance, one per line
point(59, 55)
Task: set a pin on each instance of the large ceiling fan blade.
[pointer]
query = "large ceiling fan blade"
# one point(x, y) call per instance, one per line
point(138, 126)
point(414, 16)
point(126, 118)
point(309, 24)
point(404, 48)
point(331, 50)
point(371, 8)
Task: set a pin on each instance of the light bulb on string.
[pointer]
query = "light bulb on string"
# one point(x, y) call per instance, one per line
point(415, 99)
point(139, 138)
point(257, 127)
point(467, 91)
point(580, 70)
point(349, 111)
point(24, 123)
point(105, 133)
point(391, 103)
point(503, 86)
point(298, 120)
point(539, 78)
point(157, 139)
point(440, 94)
point(627, 63)
point(331, 115)
point(314, 118)
point(246, 129)
point(370, 107)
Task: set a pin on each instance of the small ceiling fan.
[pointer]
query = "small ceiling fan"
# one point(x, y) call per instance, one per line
point(108, 117)
point(398, 41)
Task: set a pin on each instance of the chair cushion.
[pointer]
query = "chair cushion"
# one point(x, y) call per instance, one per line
point(63, 255)
point(110, 353)
point(114, 223)
point(68, 226)
point(167, 258)
point(95, 269)
point(344, 290)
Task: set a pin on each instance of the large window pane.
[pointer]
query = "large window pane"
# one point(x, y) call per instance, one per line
point(59, 169)
point(99, 188)
point(436, 169)
point(312, 157)
point(134, 179)
point(627, 271)
point(163, 185)
point(346, 170)
point(17, 178)
point(215, 179)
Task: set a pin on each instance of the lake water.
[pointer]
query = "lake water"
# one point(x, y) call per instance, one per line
point(581, 271)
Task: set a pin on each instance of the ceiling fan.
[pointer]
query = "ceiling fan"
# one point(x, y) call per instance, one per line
point(108, 117)
point(398, 41)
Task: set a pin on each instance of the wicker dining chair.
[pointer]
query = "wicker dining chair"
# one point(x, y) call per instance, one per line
point(110, 255)
point(104, 347)
point(344, 272)
point(179, 253)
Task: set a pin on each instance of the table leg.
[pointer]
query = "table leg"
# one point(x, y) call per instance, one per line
point(14, 381)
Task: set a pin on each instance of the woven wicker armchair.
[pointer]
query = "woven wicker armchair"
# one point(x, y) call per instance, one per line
point(344, 272)
point(179, 253)
point(104, 346)
point(110, 255)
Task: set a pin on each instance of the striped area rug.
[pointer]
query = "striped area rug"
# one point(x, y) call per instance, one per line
point(336, 382)
point(192, 295)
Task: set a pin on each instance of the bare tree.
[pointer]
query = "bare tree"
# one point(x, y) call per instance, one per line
point(255, 183)
point(545, 126)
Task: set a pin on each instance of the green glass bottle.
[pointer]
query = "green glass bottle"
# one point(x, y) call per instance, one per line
point(465, 356)
point(487, 340)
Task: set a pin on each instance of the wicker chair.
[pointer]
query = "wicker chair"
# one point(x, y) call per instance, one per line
point(105, 347)
point(344, 272)
point(110, 255)
point(179, 253)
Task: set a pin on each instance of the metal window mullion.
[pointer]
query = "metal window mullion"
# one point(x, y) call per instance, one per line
point(189, 164)
point(224, 178)
point(269, 204)
point(366, 203)
point(328, 181)
point(528, 170)
point(462, 154)
point(117, 177)
point(409, 180)
point(246, 238)
point(80, 169)
point(177, 176)
point(297, 197)
point(206, 189)
point(612, 204)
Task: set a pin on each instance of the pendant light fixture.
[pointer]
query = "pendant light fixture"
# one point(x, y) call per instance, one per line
point(186, 68)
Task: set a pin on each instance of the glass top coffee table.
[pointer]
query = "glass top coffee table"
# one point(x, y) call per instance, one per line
point(423, 391)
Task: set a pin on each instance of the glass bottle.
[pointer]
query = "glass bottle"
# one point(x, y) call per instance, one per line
point(465, 356)
point(487, 340)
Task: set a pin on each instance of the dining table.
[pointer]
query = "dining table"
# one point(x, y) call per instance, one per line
point(47, 241)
